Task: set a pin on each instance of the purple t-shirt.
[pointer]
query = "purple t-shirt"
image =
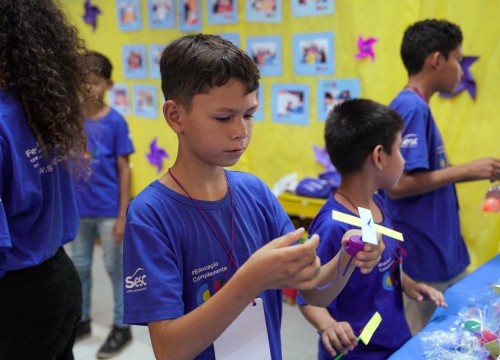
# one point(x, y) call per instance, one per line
point(363, 295)
point(430, 222)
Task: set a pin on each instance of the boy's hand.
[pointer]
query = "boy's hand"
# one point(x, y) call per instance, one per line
point(119, 230)
point(339, 338)
point(284, 264)
point(423, 292)
point(369, 256)
point(486, 168)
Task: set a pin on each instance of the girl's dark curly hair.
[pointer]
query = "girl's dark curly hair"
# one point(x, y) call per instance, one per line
point(40, 57)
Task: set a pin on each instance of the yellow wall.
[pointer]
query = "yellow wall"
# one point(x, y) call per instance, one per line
point(469, 128)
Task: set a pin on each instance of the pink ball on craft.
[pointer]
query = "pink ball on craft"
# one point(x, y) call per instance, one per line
point(491, 205)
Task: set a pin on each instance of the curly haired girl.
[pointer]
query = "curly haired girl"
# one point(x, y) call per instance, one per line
point(41, 128)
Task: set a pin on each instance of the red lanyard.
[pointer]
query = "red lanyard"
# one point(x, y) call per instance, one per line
point(345, 197)
point(416, 91)
point(230, 254)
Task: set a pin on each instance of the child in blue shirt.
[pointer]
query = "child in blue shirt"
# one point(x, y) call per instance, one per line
point(424, 204)
point(208, 249)
point(363, 139)
point(41, 82)
point(102, 199)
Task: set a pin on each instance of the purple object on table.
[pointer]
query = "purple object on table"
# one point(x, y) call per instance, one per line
point(355, 244)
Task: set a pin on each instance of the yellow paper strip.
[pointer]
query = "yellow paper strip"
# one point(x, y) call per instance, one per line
point(353, 220)
point(493, 348)
point(370, 328)
point(496, 288)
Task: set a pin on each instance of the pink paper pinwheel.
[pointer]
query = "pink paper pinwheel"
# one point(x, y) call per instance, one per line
point(365, 47)
point(156, 155)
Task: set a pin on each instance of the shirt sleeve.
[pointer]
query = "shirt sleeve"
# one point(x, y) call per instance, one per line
point(124, 145)
point(416, 115)
point(414, 140)
point(285, 225)
point(150, 262)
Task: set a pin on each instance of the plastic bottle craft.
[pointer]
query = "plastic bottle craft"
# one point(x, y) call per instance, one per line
point(492, 200)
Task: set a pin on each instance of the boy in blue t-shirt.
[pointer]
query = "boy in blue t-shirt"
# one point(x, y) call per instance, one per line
point(363, 139)
point(102, 199)
point(424, 204)
point(207, 250)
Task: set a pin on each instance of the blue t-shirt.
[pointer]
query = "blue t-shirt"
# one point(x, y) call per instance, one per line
point(430, 222)
point(173, 262)
point(37, 205)
point(107, 138)
point(364, 294)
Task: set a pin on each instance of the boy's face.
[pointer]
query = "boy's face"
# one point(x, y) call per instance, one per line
point(451, 71)
point(217, 129)
point(395, 164)
point(98, 87)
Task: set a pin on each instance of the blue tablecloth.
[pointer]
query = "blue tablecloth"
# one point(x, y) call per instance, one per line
point(457, 297)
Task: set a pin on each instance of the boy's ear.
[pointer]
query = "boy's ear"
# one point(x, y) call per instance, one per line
point(110, 85)
point(172, 114)
point(378, 157)
point(435, 59)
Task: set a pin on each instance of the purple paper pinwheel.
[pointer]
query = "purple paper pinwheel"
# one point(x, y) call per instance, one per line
point(322, 157)
point(330, 174)
point(365, 47)
point(90, 15)
point(467, 83)
point(156, 155)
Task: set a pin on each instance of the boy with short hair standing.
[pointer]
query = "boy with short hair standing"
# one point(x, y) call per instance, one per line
point(424, 204)
point(102, 199)
point(363, 138)
point(199, 248)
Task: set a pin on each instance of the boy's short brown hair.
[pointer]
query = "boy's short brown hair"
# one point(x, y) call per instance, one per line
point(193, 64)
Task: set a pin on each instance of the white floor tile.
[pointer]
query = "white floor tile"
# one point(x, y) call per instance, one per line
point(299, 339)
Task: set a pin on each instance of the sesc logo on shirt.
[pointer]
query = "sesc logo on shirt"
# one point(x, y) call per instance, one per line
point(409, 141)
point(136, 282)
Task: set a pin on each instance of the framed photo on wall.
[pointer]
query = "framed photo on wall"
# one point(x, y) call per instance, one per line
point(189, 15)
point(134, 61)
point(333, 92)
point(266, 52)
point(161, 14)
point(259, 114)
point(119, 98)
point(146, 101)
point(290, 103)
point(302, 8)
point(154, 60)
point(268, 11)
point(313, 54)
point(233, 37)
point(222, 11)
point(129, 15)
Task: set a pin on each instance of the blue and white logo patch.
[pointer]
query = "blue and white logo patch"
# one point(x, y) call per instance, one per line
point(409, 141)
